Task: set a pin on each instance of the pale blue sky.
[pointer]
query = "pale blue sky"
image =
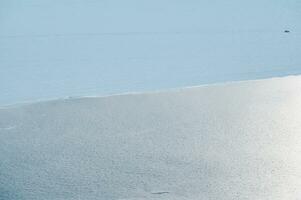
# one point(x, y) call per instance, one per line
point(59, 48)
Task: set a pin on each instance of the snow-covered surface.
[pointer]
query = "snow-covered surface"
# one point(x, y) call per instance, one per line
point(229, 141)
point(59, 48)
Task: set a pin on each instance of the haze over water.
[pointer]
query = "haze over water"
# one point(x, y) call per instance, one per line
point(59, 48)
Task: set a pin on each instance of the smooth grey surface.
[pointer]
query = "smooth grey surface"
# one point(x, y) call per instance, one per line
point(58, 48)
point(231, 141)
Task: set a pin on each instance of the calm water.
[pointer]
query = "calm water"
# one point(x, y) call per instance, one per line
point(54, 49)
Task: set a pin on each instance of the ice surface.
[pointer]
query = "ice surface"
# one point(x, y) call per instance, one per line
point(229, 141)
point(59, 48)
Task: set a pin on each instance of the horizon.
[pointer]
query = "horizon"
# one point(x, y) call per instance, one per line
point(54, 49)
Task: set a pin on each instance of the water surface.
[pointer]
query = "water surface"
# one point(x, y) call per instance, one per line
point(53, 49)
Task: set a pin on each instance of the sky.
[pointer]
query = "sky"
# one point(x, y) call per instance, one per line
point(60, 48)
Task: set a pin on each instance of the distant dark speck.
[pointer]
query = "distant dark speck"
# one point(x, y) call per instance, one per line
point(287, 31)
point(163, 192)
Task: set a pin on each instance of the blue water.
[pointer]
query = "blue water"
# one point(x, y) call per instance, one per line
point(59, 48)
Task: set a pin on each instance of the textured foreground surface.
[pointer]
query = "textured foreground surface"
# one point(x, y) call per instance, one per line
point(233, 141)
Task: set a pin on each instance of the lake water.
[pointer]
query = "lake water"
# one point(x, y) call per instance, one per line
point(60, 48)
